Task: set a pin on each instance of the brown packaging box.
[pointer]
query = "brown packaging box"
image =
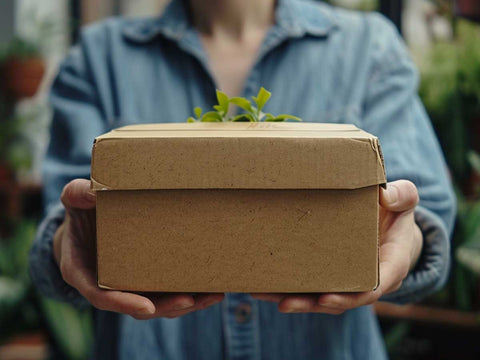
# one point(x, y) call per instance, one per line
point(237, 207)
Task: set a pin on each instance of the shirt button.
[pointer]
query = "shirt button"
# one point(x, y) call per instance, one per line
point(243, 313)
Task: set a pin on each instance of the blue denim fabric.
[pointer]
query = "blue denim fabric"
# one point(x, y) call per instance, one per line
point(322, 64)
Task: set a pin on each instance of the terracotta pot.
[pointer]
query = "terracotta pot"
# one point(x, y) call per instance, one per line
point(469, 9)
point(32, 346)
point(23, 76)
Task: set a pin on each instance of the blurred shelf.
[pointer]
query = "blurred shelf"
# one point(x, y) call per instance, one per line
point(428, 314)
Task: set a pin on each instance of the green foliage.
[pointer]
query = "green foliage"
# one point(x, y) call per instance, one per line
point(450, 90)
point(253, 112)
point(19, 48)
point(71, 329)
point(23, 310)
point(17, 312)
point(15, 148)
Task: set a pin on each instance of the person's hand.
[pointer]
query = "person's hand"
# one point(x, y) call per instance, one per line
point(400, 246)
point(74, 252)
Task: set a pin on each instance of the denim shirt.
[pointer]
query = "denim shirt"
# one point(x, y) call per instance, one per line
point(322, 64)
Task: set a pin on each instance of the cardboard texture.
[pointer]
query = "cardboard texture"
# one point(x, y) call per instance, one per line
point(237, 207)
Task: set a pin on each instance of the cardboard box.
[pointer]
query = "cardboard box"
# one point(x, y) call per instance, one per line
point(237, 207)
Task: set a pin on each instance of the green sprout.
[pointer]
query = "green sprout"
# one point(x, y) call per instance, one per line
point(253, 112)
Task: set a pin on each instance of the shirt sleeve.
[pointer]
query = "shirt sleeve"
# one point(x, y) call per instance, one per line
point(393, 111)
point(77, 120)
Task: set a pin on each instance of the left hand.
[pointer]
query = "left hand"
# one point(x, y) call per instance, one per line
point(400, 247)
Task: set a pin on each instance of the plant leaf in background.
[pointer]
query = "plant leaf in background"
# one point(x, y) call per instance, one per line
point(23, 310)
point(70, 328)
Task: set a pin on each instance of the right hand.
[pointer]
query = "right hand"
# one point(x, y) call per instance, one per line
point(74, 252)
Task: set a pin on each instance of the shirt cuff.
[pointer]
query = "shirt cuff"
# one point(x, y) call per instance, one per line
point(431, 271)
point(44, 271)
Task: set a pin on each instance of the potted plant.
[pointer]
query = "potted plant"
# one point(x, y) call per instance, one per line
point(23, 68)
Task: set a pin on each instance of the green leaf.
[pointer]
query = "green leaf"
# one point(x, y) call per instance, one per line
point(222, 101)
point(474, 158)
point(260, 116)
point(243, 103)
point(198, 112)
point(219, 109)
point(191, 120)
point(211, 116)
point(283, 117)
point(72, 329)
point(243, 118)
point(262, 97)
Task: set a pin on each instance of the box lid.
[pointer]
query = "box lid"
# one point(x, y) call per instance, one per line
point(236, 156)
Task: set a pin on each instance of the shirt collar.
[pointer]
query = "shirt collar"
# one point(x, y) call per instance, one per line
point(294, 17)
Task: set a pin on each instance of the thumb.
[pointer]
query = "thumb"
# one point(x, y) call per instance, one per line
point(77, 195)
point(401, 195)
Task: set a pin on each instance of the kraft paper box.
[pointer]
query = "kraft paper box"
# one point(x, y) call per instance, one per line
point(237, 207)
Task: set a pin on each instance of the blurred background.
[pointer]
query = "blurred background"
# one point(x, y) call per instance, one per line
point(444, 39)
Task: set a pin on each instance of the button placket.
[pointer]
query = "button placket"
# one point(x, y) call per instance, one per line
point(242, 337)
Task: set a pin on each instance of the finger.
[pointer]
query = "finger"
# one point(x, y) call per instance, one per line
point(304, 304)
point(202, 301)
point(391, 276)
point(271, 297)
point(174, 305)
point(109, 300)
point(392, 273)
point(401, 195)
point(77, 270)
point(77, 194)
point(298, 303)
point(346, 301)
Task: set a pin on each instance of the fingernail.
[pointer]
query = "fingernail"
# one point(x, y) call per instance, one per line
point(182, 306)
point(146, 311)
point(391, 195)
